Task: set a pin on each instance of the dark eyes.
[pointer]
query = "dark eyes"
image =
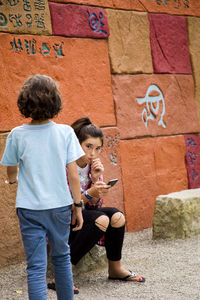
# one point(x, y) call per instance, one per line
point(91, 147)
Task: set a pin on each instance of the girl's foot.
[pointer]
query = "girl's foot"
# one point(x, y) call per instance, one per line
point(125, 275)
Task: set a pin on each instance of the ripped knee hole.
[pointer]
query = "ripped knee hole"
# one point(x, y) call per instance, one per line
point(102, 223)
point(117, 220)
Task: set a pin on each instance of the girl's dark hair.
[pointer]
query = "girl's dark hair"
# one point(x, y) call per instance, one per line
point(84, 129)
point(39, 98)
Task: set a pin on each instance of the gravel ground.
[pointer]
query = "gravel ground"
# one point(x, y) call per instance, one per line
point(171, 268)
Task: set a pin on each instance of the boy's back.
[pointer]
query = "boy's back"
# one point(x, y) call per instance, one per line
point(43, 152)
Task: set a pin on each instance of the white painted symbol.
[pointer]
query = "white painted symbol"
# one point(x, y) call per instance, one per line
point(152, 105)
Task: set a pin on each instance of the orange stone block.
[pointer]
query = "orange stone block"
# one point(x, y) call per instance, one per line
point(152, 105)
point(80, 66)
point(150, 167)
point(127, 4)
point(176, 7)
point(11, 247)
point(111, 160)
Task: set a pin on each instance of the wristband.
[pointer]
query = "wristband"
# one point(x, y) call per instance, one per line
point(87, 195)
point(80, 204)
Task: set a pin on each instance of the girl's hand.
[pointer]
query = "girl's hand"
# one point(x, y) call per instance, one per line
point(101, 188)
point(97, 169)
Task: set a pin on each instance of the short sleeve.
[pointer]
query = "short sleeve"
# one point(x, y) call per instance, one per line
point(74, 149)
point(10, 156)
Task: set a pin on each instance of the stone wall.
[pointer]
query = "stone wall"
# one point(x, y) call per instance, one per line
point(132, 66)
point(11, 249)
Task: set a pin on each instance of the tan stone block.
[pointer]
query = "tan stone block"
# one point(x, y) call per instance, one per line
point(176, 215)
point(80, 66)
point(11, 247)
point(94, 260)
point(30, 16)
point(194, 46)
point(173, 7)
point(150, 167)
point(125, 4)
point(111, 160)
point(129, 43)
point(152, 105)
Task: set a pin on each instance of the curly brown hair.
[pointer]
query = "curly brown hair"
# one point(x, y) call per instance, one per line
point(39, 98)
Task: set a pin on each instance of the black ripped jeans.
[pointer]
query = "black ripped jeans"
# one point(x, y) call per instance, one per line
point(83, 240)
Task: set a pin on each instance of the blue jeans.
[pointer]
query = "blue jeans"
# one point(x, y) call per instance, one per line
point(35, 226)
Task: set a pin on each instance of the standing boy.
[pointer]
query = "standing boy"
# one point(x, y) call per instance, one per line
point(42, 149)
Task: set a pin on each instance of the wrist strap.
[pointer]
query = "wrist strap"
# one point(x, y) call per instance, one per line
point(87, 195)
point(8, 182)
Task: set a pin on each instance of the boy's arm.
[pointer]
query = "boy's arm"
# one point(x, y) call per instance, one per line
point(12, 174)
point(74, 182)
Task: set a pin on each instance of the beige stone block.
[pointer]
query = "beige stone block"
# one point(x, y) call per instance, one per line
point(31, 16)
point(11, 248)
point(129, 43)
point(194, 46)
point(94, 260)
point(177, 215)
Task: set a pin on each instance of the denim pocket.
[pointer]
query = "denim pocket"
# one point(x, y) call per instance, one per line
point(64, 216)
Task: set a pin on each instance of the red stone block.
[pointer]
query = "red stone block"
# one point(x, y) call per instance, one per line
point(78, 21)
point(127, 4)
point(173, 7)
point(169, 44)
point(192, 142)
point(152, 105)
point(80, 66)
point(150, 167)
point(111, 160)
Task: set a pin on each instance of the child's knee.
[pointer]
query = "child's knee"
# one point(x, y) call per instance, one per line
point(117, 220)
point(102, 222)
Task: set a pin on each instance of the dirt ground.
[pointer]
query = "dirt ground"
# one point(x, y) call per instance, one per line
point(171, 269)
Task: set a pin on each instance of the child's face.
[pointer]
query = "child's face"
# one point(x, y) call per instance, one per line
point(92, 148)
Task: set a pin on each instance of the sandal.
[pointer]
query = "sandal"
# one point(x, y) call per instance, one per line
point(126, 278)
point(52, 286)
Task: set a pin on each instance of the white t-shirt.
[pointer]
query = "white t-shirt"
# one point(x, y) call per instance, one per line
point(42, 152)
point(85, 181)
